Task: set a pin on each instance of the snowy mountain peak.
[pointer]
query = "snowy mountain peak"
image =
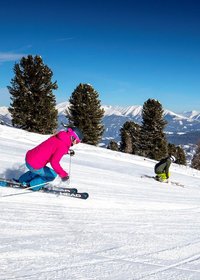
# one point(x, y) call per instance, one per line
point(62, 107)
point(5, 116)
point(123, 111)
point(192, 115)
point(174, 115)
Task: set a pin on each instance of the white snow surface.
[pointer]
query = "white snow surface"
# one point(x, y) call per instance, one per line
point(129, 228)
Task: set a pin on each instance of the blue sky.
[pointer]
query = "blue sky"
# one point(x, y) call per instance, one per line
point(128, 50)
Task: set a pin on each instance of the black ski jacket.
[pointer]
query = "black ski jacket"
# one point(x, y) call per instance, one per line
point(163, 166)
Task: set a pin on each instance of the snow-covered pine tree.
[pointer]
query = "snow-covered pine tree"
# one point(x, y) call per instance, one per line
point(33, 103)
point(86, 113)
point(153, 143)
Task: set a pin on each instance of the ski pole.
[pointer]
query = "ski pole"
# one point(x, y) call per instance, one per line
point(70, 168)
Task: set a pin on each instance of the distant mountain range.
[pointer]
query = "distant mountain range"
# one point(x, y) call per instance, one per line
point(183, 128)
point(5, 117)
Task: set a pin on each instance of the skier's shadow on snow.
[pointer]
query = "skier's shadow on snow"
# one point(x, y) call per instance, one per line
point(15, 172)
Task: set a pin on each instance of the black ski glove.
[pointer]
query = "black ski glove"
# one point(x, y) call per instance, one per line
point(71, 153)
point(65, 179)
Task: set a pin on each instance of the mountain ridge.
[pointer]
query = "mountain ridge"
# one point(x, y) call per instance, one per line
point(115, 116)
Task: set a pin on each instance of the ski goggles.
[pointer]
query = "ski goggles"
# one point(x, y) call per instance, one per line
point(75, 137)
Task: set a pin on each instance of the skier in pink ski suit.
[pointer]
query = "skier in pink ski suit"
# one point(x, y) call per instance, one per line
point(50, 151)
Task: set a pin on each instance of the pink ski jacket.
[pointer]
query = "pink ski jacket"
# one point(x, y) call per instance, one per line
point(51, 151)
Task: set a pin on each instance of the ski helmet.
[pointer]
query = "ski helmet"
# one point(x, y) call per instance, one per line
point(78, 133)
point(173, 159)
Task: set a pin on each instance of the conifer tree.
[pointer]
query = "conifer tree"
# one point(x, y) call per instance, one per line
point(196, 158)
point(113, 146)
point(178, 152)
point(180, 156)
point(172, 149)
point(33, 103)
point(86, 113)
point(130, 136)
point(153, 143)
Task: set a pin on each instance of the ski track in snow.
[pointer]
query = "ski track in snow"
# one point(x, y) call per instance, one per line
point(130, 228)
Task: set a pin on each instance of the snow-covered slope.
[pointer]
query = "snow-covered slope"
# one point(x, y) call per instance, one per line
point(129, 228)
